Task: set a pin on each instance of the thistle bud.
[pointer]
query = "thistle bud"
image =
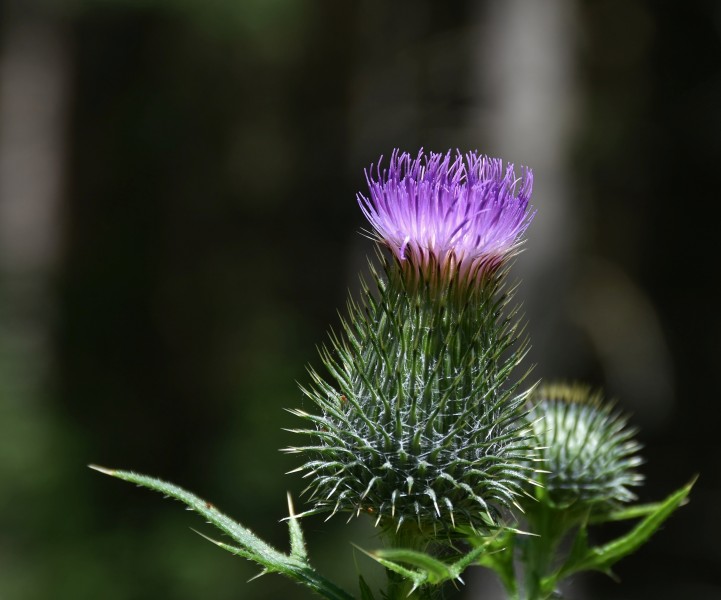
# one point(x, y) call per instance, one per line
point(588, 449)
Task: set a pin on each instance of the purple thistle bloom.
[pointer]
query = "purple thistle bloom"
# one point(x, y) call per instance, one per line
point(463, 214)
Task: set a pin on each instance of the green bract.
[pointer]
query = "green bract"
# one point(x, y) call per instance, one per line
point(421, 424)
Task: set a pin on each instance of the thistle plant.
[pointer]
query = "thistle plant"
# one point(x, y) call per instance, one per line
point(420, 427)
point(421, 420)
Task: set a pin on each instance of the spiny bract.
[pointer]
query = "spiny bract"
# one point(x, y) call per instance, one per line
point(421, 424)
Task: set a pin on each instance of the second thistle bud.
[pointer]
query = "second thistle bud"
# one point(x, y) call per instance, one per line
point(589, 452)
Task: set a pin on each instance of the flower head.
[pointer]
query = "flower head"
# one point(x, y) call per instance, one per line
point(462, 214)
point(423, 427)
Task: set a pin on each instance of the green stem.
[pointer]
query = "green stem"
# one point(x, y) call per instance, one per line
point(400, 588)
point(537, 556)
point(538, 553)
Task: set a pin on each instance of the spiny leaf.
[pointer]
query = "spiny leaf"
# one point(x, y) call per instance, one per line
point(417, 578)
point(294, 566)
point(499, 556)
point(602, 558)
point(427, 569)
point(435, 570)
point(297, 540)
point(366, 592)
point(246, 539)
point(628, 513)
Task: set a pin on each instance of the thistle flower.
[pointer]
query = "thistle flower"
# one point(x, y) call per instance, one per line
point(461, 216)
point(589, 451)
point(421, 424)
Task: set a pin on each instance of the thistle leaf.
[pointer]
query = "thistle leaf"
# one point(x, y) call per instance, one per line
point(602, 558)
point(435, 570)
point(418, 578)
point(366, 592)
point(628, 513)
point(297, 539)
point(499, 556)
point(426, 568)
point(295, 566)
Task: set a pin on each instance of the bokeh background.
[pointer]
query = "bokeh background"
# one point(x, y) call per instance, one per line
point(178, 229)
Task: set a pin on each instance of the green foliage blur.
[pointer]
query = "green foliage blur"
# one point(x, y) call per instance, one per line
point(208, 234)
point(198, 273)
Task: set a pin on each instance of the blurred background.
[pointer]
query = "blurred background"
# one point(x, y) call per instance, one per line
point(178, 228)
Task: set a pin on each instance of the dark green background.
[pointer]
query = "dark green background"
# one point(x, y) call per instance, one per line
point(210, 233)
